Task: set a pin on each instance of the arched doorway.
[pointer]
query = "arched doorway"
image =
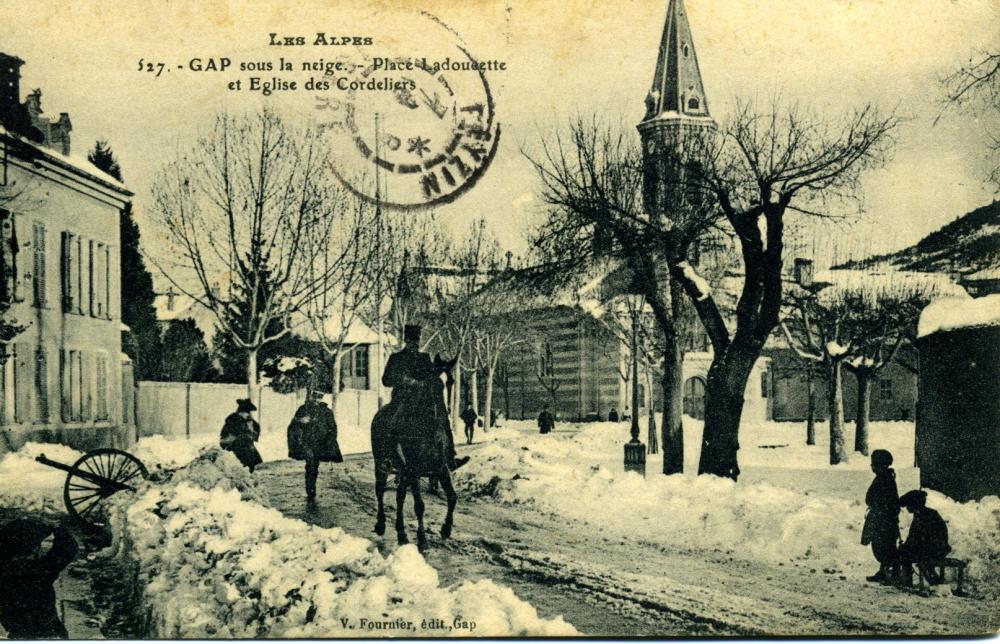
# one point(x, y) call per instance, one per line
point(694, 397)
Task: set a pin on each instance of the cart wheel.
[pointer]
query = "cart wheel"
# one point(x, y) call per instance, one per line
point(97, 475)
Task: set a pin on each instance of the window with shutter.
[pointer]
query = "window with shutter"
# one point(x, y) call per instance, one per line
point(8, 256)
point(66, 385)
point(67, 272)
point(7, 385)
point(41, 386)
point(102, 386)
point(107, 282)
point(38, 269)
point(23, 382)
point(76, 385)
point(78, 267)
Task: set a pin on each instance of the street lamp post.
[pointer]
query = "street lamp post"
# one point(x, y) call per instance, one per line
point(635, 451)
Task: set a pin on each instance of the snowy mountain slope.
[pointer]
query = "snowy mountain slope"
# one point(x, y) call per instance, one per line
point(970, 243)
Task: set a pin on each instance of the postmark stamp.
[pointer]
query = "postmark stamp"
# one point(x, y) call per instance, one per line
point(414, 127)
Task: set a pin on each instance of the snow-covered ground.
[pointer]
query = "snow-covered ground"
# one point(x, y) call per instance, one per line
point(579, 474)
point(215, 562)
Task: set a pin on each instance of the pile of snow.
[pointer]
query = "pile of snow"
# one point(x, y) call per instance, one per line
point(213, 562)
point(754, 521)
point(950, 313)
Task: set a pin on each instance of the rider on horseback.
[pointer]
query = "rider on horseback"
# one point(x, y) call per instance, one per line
point(405, 372)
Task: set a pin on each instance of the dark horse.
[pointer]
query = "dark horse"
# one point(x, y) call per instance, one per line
point(414, 443)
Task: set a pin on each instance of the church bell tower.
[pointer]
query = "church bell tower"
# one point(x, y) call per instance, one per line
point(676, 105)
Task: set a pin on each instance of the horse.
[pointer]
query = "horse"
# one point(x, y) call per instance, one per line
point(416, 450)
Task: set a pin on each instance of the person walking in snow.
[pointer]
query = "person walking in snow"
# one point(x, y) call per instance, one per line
point(881, 529)
point(239, 433)
point(469, 417)
point(546, 421)
point(927, 540)
point(613, 415)
point(312, 437)
point(27, 574)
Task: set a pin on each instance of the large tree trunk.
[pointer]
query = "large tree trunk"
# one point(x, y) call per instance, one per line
point(864, 377)
point(838, 450)
point(672, 430)
point(488, 402)
point(252, 375)
point(811, 418)
point(338, 359)
point(724, 389)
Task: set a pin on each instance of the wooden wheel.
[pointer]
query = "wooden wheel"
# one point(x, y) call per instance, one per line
point(96, 476)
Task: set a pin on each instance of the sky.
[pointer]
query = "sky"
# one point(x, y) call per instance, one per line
point(564, 59)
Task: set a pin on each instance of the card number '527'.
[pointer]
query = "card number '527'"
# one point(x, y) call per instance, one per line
point(151, 68)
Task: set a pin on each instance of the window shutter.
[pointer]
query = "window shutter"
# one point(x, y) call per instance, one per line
point(86, 386)
point(111, 311)
point(79, 264)
point(67, 272)
point(66, 392)
point(41, 385)
point(22, 383)
point(8, 265)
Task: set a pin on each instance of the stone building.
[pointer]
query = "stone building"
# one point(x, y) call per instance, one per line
point(64, 378)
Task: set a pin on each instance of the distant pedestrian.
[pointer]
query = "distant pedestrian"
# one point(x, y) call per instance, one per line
point(469, 417)
point(626, 415)
point(312, 437)
point(613, 415)
point(27, 574)
point(881, 528)
point(546, 421)
point(240, 432)
point(927, 541)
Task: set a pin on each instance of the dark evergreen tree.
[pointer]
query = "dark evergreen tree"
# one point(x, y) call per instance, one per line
point(143, 345)
point(186, 357)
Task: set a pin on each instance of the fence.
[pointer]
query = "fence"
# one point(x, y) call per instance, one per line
point(185, 409)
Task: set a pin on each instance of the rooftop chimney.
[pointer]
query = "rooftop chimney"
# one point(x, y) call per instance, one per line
point(11, 112)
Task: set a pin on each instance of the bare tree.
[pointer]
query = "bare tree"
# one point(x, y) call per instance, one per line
point(769, 164)
point(344, 262)
point(975, 87)
point(592, 179)
point(239, 214)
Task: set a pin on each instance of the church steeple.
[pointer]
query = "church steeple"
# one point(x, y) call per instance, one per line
point(677, 89)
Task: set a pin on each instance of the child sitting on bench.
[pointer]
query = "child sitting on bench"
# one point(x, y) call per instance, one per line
point(927, 541)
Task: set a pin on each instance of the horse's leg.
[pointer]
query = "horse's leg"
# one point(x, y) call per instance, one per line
point(400, 500)
point(418, 507)
point(449, 491)
point(381, 474)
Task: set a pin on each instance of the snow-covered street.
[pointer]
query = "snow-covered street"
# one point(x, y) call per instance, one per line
point(533, 516)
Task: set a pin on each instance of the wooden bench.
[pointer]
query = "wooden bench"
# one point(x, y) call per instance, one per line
point(940, 569)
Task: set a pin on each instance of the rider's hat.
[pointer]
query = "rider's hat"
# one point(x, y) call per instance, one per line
point(245, 404)
point(411, 333)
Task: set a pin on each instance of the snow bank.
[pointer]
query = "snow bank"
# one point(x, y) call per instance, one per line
point(213, 562)
point(754, 521)
point(950, 313)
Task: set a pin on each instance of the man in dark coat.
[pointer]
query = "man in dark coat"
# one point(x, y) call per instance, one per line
point(546, 421)
point(403, 372)
point(240, 432)
point(312, 437)
point(27, 598)
point(613, 415)
point(927, 540)
point(469, 417)
point(881, 528)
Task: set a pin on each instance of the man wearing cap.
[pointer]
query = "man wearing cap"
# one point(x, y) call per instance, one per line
point(27, 573)
point(240, 432)
point(405, 369)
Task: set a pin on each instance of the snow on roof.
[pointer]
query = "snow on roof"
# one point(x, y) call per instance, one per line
point(951, 313)
point(887, 284)
point(357, 331)
point(74, 162)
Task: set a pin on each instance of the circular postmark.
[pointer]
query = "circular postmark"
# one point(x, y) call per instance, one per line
point(417, 122)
